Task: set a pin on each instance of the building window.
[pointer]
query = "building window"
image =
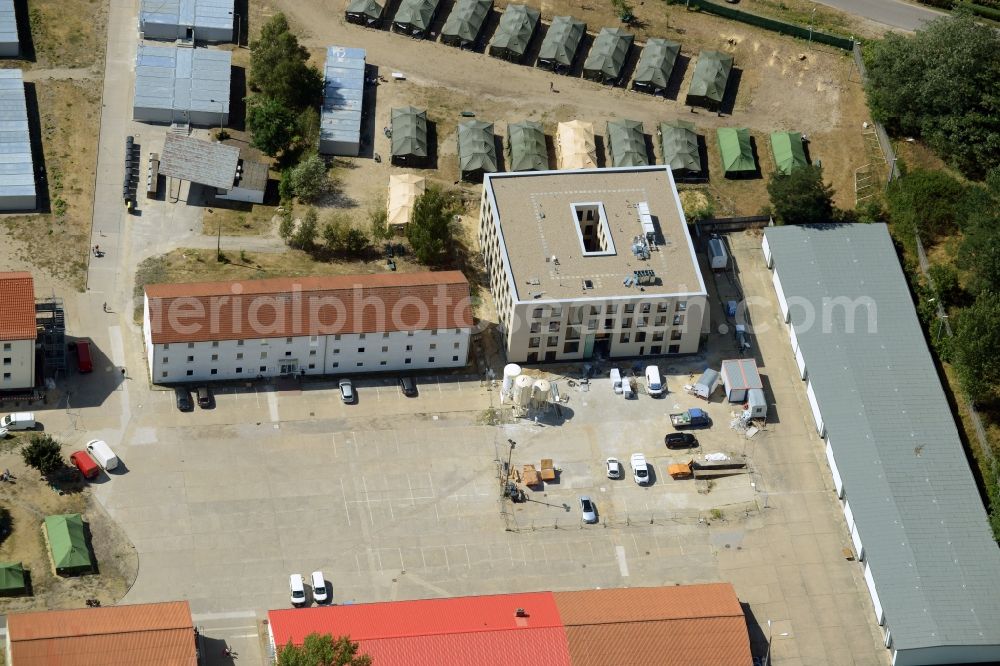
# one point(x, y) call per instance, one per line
point(215, 357)
point(312, 366)
point(312, 352)
point(643, 321)
point(361, 364)
point(409, 334)
point(658, 336)
point(189, 373)
point(661, 307)
point(552, 341)
point(336, 337)
point(627, 322)
point(215, 343)
point(381, 362)
point(361, 350)
point(533, 357)
point(409, 347)
point(385, 336)
point(361, 337)
point(434, 332)
point(336, 351)
point(640, 336)
point(457, 331)
point(215, 371)
point(385, 349)
point(675, 335)
point(660, 321)
point(678, 320)
point(536, 313)
point(430, 359)
point(623, 339)
point(433, 346)
point(190, 345)
point(454, 359)
point(239, 356)
point(263, 368)
point(239, 371)
point(553, 327)
point(336, 364)
point(629, 308)
point(644, 308)
point(407, 361)
point(287, 354)
point(682, 306)
point(571, 347)
point(165, 360)
point(288, 341)
point(673, 349)
point(534, 343)
point(456, 345)
point(6, 346)
point(239, 343)
point(536, 327)
point(263, 355)
point(655, 349)
point(313, 338)
point(190, 359)
point(609, 323)
point(163, 375)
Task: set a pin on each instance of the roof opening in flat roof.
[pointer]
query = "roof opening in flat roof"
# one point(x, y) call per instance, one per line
point(592, 229)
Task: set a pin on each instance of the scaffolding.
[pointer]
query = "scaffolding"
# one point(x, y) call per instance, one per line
point(50, 319)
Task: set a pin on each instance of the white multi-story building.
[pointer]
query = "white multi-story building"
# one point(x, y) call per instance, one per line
point(597, 262)
point(17, 331)
point(346, 324)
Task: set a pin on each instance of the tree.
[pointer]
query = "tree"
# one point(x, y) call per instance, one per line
point(979, 253)
point(378, 222)
point(272, 125)
point(44, 454)
point(308, 178)
point(304, 236)
point(322, 650)
point(355, 241)
point(940, 84)
point(975, 348)
point(334, 232)
point(624, 11)
point(279, 67)
point(287, 225)
point(925, 202)
point(801, 197)
point(429, 230)
point(307, 128)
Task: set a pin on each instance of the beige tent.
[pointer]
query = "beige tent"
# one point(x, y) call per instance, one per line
point(575, 145)
point(403, 192)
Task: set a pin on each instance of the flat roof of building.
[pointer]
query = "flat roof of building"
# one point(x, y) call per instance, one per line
point(536, 220)
point(17, 170)
point(195, 13)
point(343, 92)
point(130, 635)
point(8, 23)
point(185, 79)
point(205, 162)
point(926, 536)
point(17, 322)
point(253, 175)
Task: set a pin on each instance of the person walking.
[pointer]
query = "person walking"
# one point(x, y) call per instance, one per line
point(105, 306)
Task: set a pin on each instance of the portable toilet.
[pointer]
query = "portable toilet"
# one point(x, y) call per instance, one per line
point(707, 384)
point(756, 404)
point(717, 254)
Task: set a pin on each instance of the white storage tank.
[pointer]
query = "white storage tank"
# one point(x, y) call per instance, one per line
point(522, 390)
point(540, 392)
point(717, 254)
point(510, 372)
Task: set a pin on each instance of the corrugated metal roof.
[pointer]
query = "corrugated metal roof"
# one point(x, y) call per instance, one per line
point(8, 23)
point(206, 162)
point(141, 635)
point(919, 516)
point(194, 13)
point(17, 170)
point(340, 304)
point(183, 79)
point(17, 322)
point(343, 92)
point(741, 373)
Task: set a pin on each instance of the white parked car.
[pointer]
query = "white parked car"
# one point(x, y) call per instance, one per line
point(321, 592)
point(640, 471)
point(297, 589)
point(614, 468)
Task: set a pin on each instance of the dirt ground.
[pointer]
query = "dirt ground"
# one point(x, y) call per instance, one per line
point(28, 499)
point(781, 84)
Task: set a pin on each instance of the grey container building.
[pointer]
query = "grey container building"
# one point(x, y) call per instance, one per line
point(10, 46)
point(17, 171)
point(182, 85)
point(915, 517)
point(202, 20)
point(343, 95)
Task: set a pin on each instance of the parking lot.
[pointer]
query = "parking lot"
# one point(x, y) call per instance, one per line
point(396, 497)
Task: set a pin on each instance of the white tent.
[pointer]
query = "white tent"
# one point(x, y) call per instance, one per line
point(576, 145)
point(403, 192)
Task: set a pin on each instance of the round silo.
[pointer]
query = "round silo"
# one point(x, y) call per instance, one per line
point(540, 392)
point(522, 390)
point(510, 371)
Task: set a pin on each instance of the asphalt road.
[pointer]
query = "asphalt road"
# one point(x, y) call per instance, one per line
point(892, 13)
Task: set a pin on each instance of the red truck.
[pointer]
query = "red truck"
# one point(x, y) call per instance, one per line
point(83, 361)
point(85, 464)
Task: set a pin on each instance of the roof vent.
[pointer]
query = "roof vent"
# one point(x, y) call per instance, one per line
point(534, 281)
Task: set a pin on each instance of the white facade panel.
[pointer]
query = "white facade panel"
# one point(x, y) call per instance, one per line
point(838, 483)
point(814, 405)
point(782, 303)
point(766, 247)
point(848, 516)
point(879, 615)
point(859, 549)
point(946, 655)
point(801, 362)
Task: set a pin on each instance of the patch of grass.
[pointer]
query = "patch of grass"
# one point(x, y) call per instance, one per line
point(68, 33)
point(798, 12)
point(258, 221)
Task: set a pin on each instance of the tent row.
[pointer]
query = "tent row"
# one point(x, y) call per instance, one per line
point(739, 161)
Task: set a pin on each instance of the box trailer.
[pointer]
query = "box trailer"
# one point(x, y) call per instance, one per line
point(718, 256)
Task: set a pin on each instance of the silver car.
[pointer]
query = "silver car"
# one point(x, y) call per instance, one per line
point(614, 468)
point(347, 394)
point(589, 510)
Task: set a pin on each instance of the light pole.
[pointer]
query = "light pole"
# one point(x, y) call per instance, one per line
point(812, 19)
point(222, 110)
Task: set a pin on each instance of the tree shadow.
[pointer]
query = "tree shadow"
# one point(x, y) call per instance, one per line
point(237, 99)
point(241, 10)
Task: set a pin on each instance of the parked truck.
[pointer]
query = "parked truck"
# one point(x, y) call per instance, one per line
point(692, 418)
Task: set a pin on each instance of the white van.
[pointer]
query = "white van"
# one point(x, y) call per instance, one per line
point(18, 421)
point(102, 453)
point(654, 385)
point(321, 593)
point(616, 380)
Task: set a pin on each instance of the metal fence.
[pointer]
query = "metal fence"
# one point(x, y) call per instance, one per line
point(883, 137)
point(733, 223)
point(845, 43)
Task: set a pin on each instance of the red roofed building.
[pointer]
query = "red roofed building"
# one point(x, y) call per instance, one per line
point(140, 635)
point(307, 326)
point(694, 625)
point(17, 331)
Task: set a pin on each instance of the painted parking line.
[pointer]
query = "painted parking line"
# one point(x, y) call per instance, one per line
point(622, 564)
point(272, 406)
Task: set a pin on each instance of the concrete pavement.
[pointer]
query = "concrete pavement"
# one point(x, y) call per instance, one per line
point(892, 13)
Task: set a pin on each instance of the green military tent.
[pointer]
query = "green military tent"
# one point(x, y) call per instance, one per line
point(737, 153)
point(708, 84)
point(68, 544)
point(527, 146)
point(607, 56)
point(414, 17)
point(561, 42)
point(477, 153)
point(12, 579)
point(627, 143)
point(364, 12)
point(465, 21)
point(517, 27)
point(680, 148)
point(788, 151)
point(409, 136)
point(652, 73)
